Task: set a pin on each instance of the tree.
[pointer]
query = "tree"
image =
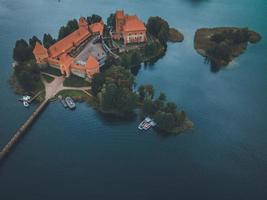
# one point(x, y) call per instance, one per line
point(159, 28)
point(158, 105)
point(148, 108)
point(71, 26)
point(48, 40)
point(146, 92)
point(151, 48)
point(33, 40)
point(149, 91)
point(162, 97)
point(142, 92)
point(93, 19)
point(125, 61)
point(111, 20)
point(165, 121)
point(108, 96)
point(117, 99)
point(22, 51)
point(120, 76)
point(97, 83)
point(170, 107)
point(114, 89)
point(28, 75)
point(135, 59)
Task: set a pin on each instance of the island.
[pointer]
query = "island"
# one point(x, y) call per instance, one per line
point(92, 61)
point(219, 46)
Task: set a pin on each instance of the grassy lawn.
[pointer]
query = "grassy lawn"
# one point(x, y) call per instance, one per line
point(78, 95)
point(49, 79)
point(52, 70)
point(75, 81)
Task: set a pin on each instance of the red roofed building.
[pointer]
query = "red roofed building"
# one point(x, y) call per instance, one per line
point(92, 66)
point(41, 53)
point(58, 55)
point(129, 28)
point(97, 28)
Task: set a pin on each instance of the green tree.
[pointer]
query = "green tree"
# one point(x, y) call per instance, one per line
point(48, 40)
point(22, 51)
point(97, 82)
point(33, 40)
point(125, 61)
point(28, 75)
point(159, 28)
point(120, 76)
point(149, 91)
point(135, 59)
point(165, 121)
point(148, 107)
point(142, 92)
point(111, 20)
point(93, 19)
point(162, 97)
point(71, 26)
point(146, 92)
point(170, 108)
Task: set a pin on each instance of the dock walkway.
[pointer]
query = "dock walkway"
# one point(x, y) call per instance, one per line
point(22, 130)
point(51, 89)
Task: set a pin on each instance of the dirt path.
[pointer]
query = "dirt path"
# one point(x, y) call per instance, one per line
point(54, 87)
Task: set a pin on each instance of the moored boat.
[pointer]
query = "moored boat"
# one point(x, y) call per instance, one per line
point(62, 101)
point(69, 101)
point(146, 124)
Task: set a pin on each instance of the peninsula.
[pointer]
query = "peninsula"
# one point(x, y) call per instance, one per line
point(221, 45)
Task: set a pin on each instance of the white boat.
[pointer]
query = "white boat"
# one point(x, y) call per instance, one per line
point(141, 125)
point(26, 98)
point(70, 103)
point(146, 124)
point(25, 104)
point(148, 120)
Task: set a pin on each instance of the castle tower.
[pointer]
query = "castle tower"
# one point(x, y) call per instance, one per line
point(83, 23)
point(40, 53)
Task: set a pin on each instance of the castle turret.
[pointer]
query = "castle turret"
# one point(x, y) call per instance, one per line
point(40, 53)
point(83, 23)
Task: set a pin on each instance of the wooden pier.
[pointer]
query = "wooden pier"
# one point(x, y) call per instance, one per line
point(7, 148)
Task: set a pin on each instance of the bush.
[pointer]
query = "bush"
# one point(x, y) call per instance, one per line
point(28, 75)
point(159, 28)
point(22, 51)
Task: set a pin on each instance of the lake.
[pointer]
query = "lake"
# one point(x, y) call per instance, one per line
point(82, 155)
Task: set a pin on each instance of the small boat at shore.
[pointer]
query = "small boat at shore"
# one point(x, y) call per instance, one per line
point(25, 100)
point(69, 101)
point(26, 104)
point(146, 124)
point(62, 101)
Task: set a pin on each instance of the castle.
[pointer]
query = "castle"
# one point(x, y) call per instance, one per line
point(78, 53)
point(60, 54)
point(129, 28)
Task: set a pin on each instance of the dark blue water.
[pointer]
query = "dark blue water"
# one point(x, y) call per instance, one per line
point(81, 155)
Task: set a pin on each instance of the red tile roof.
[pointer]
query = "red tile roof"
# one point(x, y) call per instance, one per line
point(68, 42)
point(97, 27)
point(133, 23)
point(92, 63)
point(39, 49)
point(120, 14)
point(128, 23)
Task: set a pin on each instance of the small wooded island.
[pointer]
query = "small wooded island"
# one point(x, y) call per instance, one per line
point(220, 46)
point(92, 61)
